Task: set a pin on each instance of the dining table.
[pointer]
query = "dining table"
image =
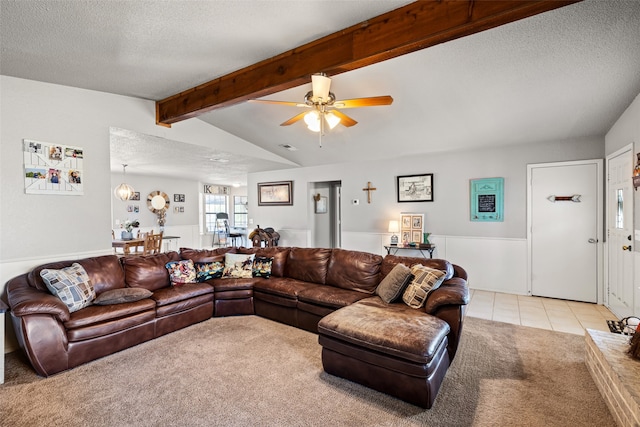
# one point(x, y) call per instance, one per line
point(126, 245)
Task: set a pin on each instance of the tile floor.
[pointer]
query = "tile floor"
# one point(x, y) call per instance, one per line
point(545, 313)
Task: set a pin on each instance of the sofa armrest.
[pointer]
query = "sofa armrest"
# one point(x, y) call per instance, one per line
point(25, 300)
point(452, 292)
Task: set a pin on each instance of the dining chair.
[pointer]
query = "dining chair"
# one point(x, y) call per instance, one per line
point(153, 243)
point(220, 230)
point(232, 236)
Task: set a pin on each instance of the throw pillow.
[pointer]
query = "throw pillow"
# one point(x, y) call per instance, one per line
point(425, 280)
point(71, 284)
point(181, 272)
point(394, 284)
point(262, 267)
point(122, 295)
point(238, 266)
point(208, 270)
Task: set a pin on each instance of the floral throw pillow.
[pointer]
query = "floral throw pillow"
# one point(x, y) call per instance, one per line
point(181, 272)
point(262, 267)
point(238, 266)
point(209, 270)
point(71, 284)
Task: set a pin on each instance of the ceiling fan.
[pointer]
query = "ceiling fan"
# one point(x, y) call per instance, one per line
point(324, 108)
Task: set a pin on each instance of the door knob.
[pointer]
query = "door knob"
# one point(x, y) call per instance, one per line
point(626, 248)
point(592, 240)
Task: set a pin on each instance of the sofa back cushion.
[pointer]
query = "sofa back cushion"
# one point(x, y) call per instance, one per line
point(204, 255)
point(148, 271)
point(278, 253)
point(308, 264)
point(105, 272)
point(353, 270)
point(390, 261)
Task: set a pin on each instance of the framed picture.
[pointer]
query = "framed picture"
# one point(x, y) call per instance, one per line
point(416, 236)
point(415, 188)
point(178, 198)
point(405, 220)
point(321, 205)
point(275, 193)
point(416, 221)
point(487, 199)
point(136, 196)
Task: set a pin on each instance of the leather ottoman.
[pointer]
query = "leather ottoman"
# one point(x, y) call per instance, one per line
point(388, 348)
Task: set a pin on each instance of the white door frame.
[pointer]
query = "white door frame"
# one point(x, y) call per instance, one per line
point(629, 148)
point(599, 220)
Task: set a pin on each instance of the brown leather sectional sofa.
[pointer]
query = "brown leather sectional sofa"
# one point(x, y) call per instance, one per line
point(306, 285)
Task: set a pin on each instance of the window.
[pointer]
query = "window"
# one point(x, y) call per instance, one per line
point(620, 209)
point(240, 212)
point(213, 204)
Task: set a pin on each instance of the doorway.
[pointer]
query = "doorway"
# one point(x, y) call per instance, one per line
point(565, 230)
point(326, 205)
point(620, 234)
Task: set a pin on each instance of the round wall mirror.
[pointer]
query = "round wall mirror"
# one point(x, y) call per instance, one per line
point(157, 201)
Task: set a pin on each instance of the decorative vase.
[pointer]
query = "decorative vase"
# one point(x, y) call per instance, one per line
point(126, 235)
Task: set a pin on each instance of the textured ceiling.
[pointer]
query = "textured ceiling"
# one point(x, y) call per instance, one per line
point(564, 74)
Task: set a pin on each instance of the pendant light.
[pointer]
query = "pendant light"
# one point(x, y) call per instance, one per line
point(124, 191)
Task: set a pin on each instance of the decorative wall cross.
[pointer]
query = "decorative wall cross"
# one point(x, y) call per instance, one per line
point(369, 189)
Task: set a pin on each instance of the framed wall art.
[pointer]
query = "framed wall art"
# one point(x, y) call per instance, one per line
point(275, 193)
point(415, 188)
point(487, 199)
point(53, 168)
point(411, 228)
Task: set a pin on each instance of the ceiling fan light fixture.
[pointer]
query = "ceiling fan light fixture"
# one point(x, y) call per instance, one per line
point(331, 119)
point(312, 119)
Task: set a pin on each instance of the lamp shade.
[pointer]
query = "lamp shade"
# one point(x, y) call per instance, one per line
point(331, 119)
point(124, 191)
point(312, 119)
point(394, 226)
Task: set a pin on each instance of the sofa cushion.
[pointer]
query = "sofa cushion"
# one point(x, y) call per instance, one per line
point(238, 265)
point(173, 294)
point(262, 267)
point(148, 271)
point(330, 296)
point(105, 272)
point(204, 255)
point(210, 269)
point(390, 261)
point(358, 271)
point(394, 284)
point(392, 329)
point(181, 272)
point(282, 286)
point(71, 284)
point(98, 314)
point(122, 295)
point(100, 329)
point(424, 281)
point(230, 284)
point(308, 264)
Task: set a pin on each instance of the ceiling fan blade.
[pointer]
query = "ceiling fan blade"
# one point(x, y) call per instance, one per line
point(266, 101)
point(344, 119)
point(364, 102)
point(320, 85)
point(294, 119)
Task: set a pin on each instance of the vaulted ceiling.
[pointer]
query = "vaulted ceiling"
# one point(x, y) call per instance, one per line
point(564, 74)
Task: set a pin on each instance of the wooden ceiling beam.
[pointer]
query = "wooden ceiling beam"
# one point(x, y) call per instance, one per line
point(416, 26)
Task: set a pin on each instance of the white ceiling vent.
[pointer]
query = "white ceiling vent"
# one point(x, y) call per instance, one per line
point(288, 147)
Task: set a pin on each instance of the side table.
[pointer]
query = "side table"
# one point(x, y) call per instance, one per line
point(3, 311)
point(393, 250)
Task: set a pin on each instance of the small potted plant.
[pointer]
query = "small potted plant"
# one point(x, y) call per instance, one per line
point(129, 225)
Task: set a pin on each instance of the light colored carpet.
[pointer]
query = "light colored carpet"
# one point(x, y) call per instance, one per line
point(248, 371)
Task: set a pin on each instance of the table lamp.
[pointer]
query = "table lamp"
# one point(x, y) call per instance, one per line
point(394, 227)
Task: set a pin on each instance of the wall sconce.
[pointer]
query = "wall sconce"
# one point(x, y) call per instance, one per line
point(636, 174)
point(394, 227)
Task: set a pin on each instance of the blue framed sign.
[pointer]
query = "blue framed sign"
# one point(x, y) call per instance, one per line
point(487, 199)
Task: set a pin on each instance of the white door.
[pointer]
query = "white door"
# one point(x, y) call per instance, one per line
point(564, 224)
point(620, 233)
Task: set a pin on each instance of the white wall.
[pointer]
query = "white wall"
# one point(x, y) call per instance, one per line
point(494, 253)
